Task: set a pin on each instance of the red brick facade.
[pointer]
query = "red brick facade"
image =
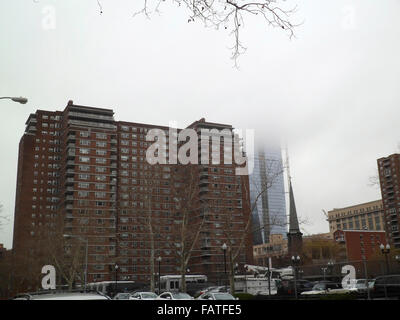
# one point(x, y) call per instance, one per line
point(359, 243)
point(85, 169)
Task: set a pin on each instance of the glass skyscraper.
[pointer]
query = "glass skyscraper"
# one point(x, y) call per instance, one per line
point(267, 193)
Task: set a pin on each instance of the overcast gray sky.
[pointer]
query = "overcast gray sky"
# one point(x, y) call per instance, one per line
point(332, 92)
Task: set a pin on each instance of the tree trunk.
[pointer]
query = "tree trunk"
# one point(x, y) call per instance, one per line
point(183, 276)
point(231, 273)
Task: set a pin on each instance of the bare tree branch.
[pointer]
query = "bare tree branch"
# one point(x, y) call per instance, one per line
point(231, 15)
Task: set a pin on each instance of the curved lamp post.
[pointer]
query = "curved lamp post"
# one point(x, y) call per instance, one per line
point(21, 100)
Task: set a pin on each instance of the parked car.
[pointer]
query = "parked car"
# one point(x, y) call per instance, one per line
point(326, 287)
point(386, 286)
point(143, 296)
point(198, 293)
point(286, 287)
point(62, 295)
point(212, 295)
point(174, 296)
point(220, 289)
point(122, 296)
point(360, 286)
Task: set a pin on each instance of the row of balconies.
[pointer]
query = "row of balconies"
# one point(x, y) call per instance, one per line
point(91, 116)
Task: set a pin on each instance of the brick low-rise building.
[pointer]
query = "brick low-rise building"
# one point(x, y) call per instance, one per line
point(360, 244)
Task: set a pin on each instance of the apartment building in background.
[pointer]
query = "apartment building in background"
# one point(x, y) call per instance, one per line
point(389, 178)
point(84, 172)
point(277, 247)
point(363, 216)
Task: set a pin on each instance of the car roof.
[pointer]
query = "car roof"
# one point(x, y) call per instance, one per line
point(387, 276)
point(65, 296)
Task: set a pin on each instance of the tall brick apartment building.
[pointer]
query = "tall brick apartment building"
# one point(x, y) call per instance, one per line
point(389, 177)
point(84, 172)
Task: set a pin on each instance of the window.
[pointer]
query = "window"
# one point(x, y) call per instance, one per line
point(84, 142)
point(84, 159)
point(100, 194)
point(83, 194)
point(83, 185)
point(84, 134)
point(100, 178)
point(101, 135)
point(101, 152)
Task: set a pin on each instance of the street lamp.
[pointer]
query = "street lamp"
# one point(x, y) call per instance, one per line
point(86, 253)
point(224, 247)
point(116, 275)
point(236, 268)
point(16, 99)
point(330, 267)
point(295, 262)
point(385, 251)
point(397, 257)
point(324, 271)
point(159, 274)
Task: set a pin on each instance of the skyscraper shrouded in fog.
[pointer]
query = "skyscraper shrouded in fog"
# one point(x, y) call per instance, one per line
point(267, 193)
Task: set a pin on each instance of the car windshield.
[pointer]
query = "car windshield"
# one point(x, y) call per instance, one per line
point(149, 295)
point(319, 287)
point(123, 296)
point(181, 295)
point(223, 296)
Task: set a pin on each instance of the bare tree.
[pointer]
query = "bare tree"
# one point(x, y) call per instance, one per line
point(4, 220)
point(373, 181)
point(149, 224)
point(235, 246)
point(66, 253)
point(188, 218)
point(229, 15)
